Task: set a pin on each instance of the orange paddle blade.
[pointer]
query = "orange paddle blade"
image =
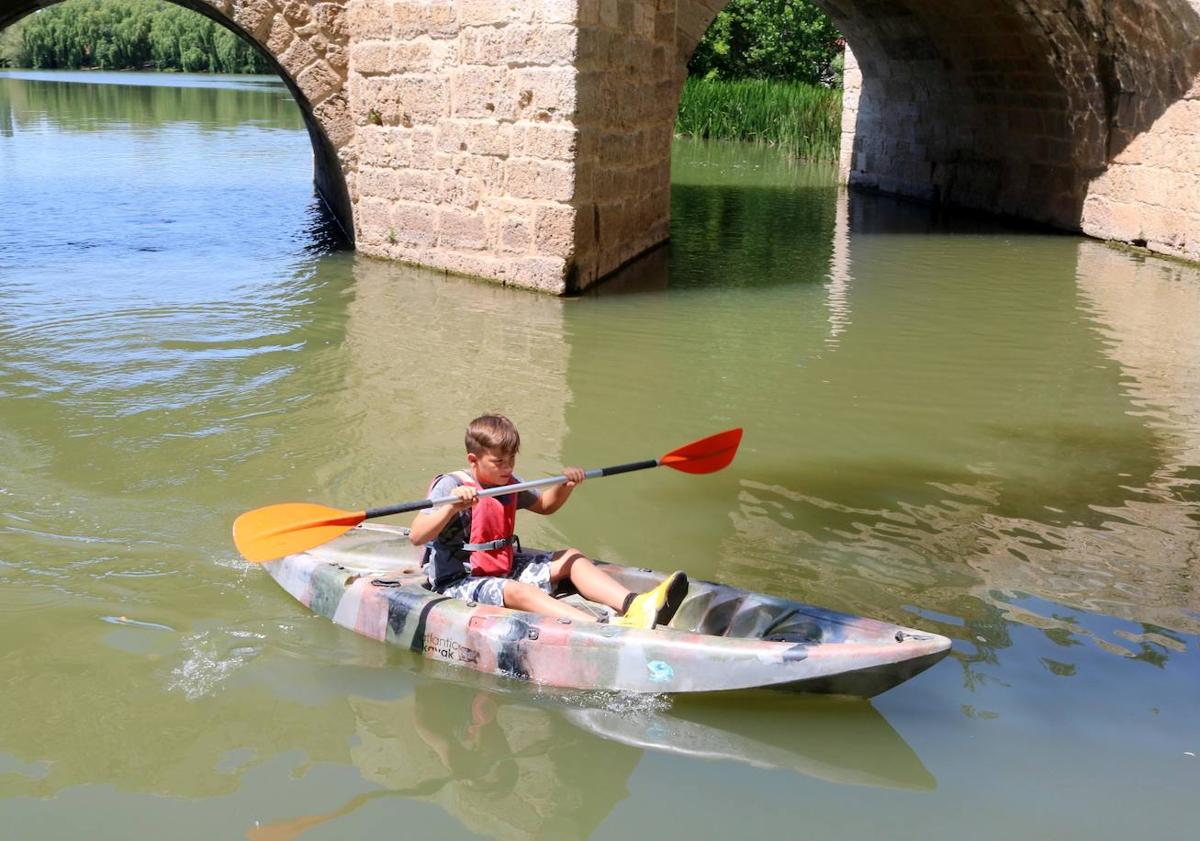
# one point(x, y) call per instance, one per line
point(265, 534)
point(708, 455)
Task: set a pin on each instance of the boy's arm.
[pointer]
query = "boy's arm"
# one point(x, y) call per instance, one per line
point(429, 523)
point(556, 496)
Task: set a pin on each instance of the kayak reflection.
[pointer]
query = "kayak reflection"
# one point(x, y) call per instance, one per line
point(839, 740)
point(517, 766)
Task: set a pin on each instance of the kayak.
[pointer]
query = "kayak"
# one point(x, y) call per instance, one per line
point(722, 638)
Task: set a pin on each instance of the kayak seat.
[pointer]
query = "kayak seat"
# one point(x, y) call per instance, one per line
point(795, 628)
point(718, 614)
point(756, 618)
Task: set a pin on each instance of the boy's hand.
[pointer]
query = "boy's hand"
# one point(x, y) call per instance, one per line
point(574, 476)
point(466, 496)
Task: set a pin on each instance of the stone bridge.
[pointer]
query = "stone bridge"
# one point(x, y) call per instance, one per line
point(528, 141)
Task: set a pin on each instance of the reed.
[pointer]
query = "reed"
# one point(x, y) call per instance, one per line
point(803, 120)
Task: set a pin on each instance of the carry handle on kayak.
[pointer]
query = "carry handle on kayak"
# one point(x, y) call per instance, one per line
point(273, 531)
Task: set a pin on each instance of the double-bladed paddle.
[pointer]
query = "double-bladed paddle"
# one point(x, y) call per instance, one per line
point(265, 534)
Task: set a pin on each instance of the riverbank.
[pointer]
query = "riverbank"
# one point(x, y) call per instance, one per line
point(804, 121)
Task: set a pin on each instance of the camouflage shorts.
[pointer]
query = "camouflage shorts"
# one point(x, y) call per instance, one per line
point(528, 568)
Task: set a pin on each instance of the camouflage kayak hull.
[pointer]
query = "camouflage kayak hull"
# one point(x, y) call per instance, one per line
point(722, 638)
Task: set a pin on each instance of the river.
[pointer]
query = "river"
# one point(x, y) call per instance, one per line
point(985, 431)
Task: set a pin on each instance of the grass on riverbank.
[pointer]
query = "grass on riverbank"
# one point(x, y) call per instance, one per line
point(803, 120)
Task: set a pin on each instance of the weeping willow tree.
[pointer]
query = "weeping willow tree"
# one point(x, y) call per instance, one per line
point(126, 34)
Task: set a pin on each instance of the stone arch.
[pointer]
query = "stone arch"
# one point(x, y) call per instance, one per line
point(306, 42)
point(1078, 114)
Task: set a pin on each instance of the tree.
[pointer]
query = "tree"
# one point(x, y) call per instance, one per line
point(123, 34)
point(12, 46)
point(769, 39)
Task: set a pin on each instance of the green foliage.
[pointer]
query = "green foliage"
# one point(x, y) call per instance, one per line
point(804, 120)
point(12, 46)
point(124, 34)
point(789, 40)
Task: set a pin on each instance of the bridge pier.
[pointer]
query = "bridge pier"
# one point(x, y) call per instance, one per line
point(528, 141)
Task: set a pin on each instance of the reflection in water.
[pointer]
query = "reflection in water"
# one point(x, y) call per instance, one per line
point(6, 112)
point(505, 770)
point(1064, 536)
point(100, 101)
point(839, 740)
point(513, 769)
point(425, 357)
point(841, 272)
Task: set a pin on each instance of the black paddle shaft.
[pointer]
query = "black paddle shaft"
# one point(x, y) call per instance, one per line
point(417, 505)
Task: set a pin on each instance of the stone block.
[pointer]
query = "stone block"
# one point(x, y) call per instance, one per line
point(414, 18)
point(529, 178)
point(415, 185)
point(371, 57)
point(370, 20)
point(548, 141)
point(385, 146)
point(547, 44)
point(423, 141)
point(480, 91)
point(280, 36)
point(554, 229)
point(590, 97)
point(298, 56)
point(457, 191)
point(296, 12)
point(544, 44)
point(542, 93)
point(319, 81)
point(375, 182)
point(476, 136)
point(422, 55)
point(413, 225)
point(488, 12)
point(481, 45)
point(461, 229)
point(318, 41)
point(467, 179)
point(609, 14)
point(405, 100)
point(473, 264)
point(338, 58)
point(515, 235)
point(331, 19)
point(372, 218)
point(255, 16)
point(556, 11)
point(487, 170)
point(546, 274)
point(334, 116)
point(589, 13)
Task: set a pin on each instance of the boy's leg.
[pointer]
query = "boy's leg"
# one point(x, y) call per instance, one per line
point(528, 597)
point(593, 583)
point(654, 607)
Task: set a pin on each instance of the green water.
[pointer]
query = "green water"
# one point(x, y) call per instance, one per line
point(989, 433)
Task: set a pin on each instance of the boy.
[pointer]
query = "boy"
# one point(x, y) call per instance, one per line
point(470, 551)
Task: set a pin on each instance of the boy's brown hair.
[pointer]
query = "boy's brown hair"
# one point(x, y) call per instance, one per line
point(495, 433)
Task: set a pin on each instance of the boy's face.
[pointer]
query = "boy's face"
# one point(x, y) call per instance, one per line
point(493, 467)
